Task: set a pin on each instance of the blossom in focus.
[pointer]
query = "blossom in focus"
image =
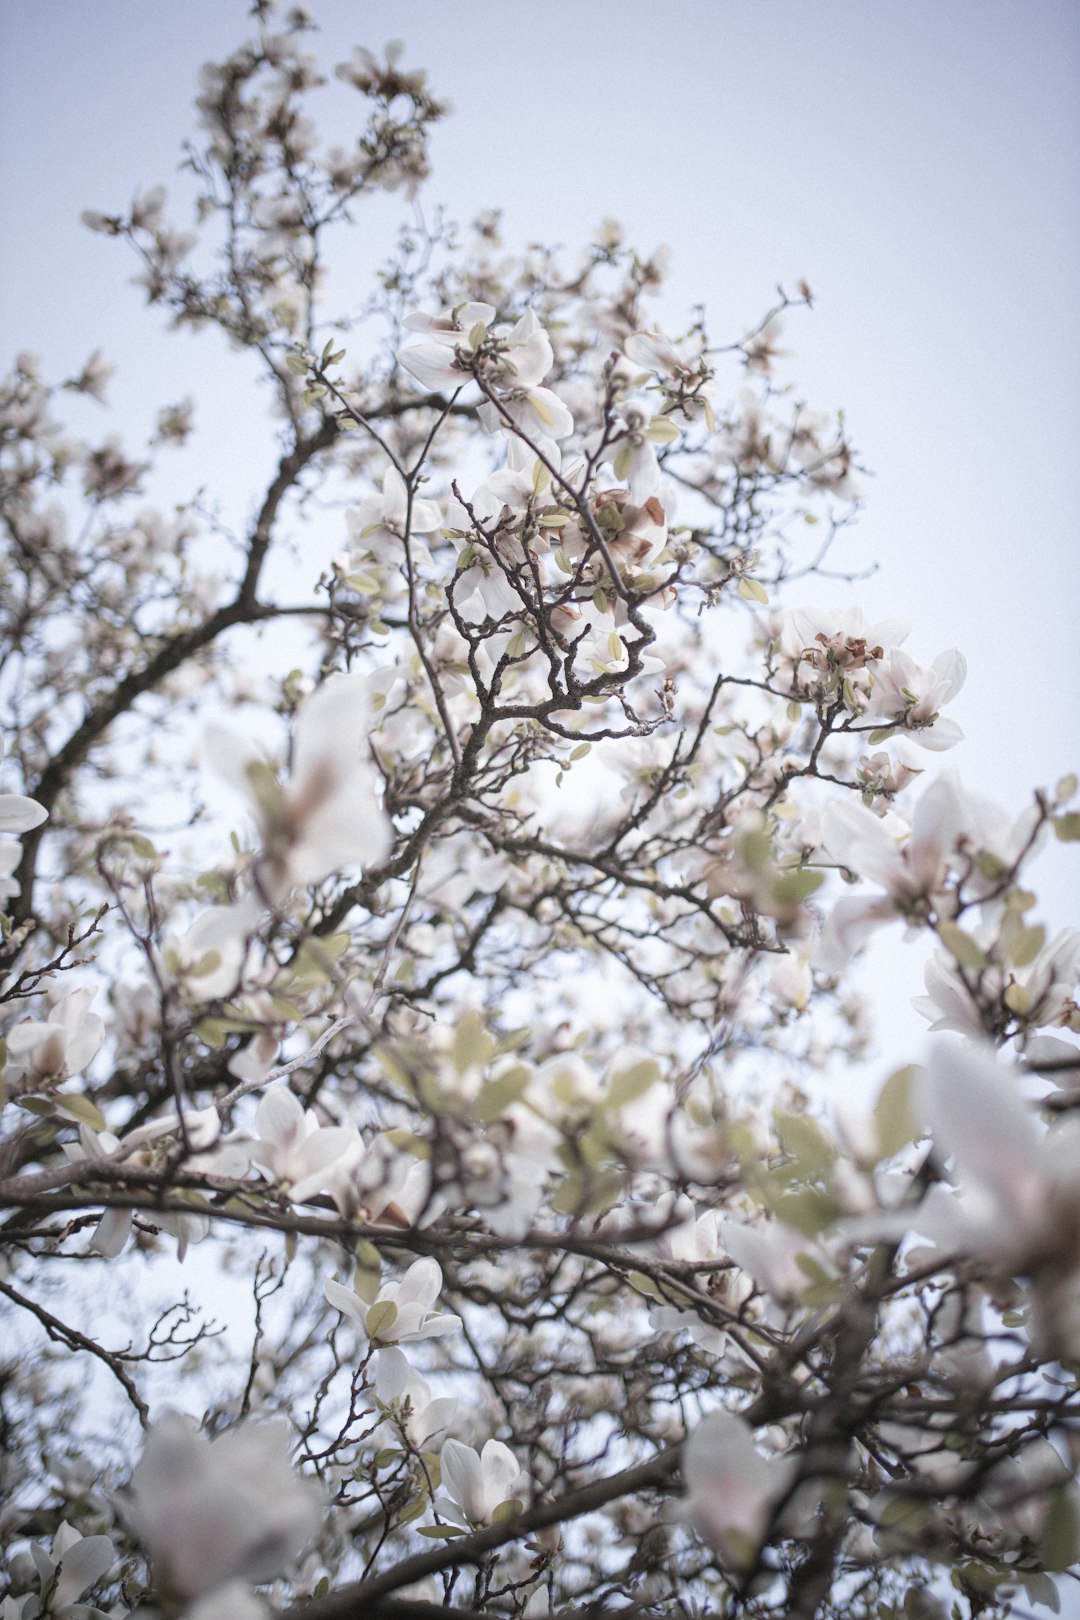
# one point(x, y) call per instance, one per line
point(211, 1512)
point(293, 1147)
point(74, 1563)
point(905, 694)
point(403, 1311)
point(832, 650)
point(380, 520)
point(408, 1396)
point(732, 1490)
point(476, 1483)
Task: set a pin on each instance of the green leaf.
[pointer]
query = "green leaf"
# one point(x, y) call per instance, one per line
point(967, 951)
point(644, 1285)
point(662, 430)
point(380, 1319)
point(367, 1277)
point(755, 852)
point(1067, 827)
point(388, 1455)
point(41, 1107)
point(894, 1115)
point(905, 1513)
point(751, 591)
point(1059, 1540)
point(473, 1047)
point(439, 1532)
point(792, 888)
point(506, 1510)
point(809, 1211)
point(81, 1109)
point(804, 1140)
point(498, 1094)
point(631, 1083)
point(882, 734)
point(1018, 999)
point(1021, 945)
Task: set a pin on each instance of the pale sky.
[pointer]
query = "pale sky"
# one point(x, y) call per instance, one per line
point(916, 161)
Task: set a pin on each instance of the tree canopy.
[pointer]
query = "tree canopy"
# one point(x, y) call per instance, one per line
point(426, 912)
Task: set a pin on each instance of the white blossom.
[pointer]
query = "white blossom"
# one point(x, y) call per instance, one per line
point(211, 1512)
point(327, 816)
point(404, 1310)
point(407, 1395)
point(292, 1146)
point(732, 1489)
point(60, 1045)
point(475, 1484)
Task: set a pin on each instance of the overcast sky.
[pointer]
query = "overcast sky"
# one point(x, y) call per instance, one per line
point(915, 162)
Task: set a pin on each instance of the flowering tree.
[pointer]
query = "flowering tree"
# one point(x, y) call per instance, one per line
point(461, 1007)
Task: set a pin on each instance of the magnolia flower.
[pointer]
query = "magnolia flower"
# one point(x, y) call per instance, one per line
point(202, 1128)
point(208, 1513)
point(477, 1483)
point(882, 778)
point(402, 1312)
point(1041, 993)
point(18, 814)
point(831, 647)
point(1015, 1207)
point(379, 521)
point(293, 1147)
point(74, 1563)
point(450, 328)
point(733, 1490)
point(1018, 1188)
point(511, 367)
point(327, 815)
point(769, 1254)
point(408, 1396)
point(908, 695)
point(381, 1183)
point(61, 1045)
point(657, 353)
point(207, 960)
point(913, 876)
point(692, 1241)
point(233, 1601)
point(635, 448)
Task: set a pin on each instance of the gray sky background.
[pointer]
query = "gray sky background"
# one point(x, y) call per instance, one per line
point(916, 162)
